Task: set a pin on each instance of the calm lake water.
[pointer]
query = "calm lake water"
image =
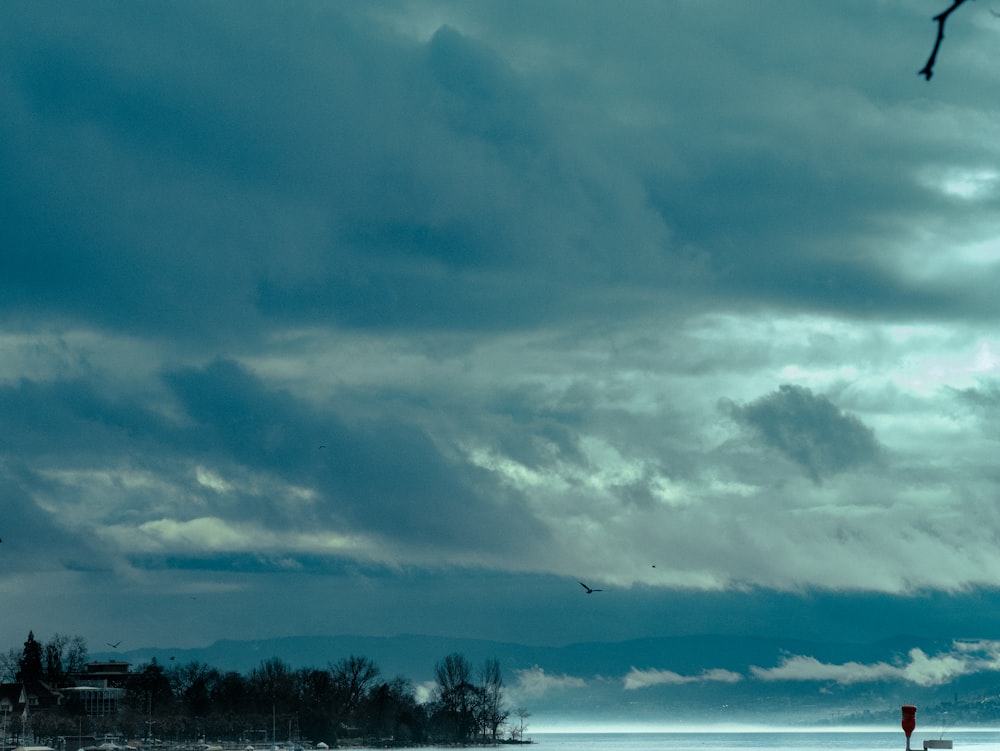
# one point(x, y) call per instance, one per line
point(971, 740)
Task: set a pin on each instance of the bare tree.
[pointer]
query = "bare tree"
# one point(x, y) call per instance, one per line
point(9, 665)
point(941, 18)
point(75, 657)
point(456, 696)
point(272, 685)
point(62, 656)
point(492, 713)
point(522, 714)
point(52, 659)
point(193, 684)
point(316, 701)
point(392, 711)
point(353, 678)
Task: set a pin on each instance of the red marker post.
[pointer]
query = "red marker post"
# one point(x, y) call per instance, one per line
point(909, 722)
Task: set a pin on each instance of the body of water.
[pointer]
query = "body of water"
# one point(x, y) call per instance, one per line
point(759, 740)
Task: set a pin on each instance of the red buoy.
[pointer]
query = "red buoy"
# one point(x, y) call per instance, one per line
point(909, 722)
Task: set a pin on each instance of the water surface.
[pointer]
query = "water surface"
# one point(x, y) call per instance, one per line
point(757, 740)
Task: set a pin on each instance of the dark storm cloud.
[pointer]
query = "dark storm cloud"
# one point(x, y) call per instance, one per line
point(68, 422)
point(985, 397)
point(482, 98)
point(810, 430)
point(245, 562)
point(378, 475)
point(346, 174)
point(983, 401)
point(400, 201)
point(500, 259)
point(26, 523)
point(536, 429)
point(381, 475)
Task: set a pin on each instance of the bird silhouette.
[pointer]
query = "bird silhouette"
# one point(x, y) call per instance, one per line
point(113, 646)
point(590, 591)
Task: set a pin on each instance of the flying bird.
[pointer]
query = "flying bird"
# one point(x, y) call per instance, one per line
point(113, 646)
point(589, 590)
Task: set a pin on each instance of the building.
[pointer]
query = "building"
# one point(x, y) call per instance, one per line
point(24, 699)
point(100, 688)
point(19, 702)
point(109, 674)
point(98, 691)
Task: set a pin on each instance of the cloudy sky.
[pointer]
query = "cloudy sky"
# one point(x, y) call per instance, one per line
point(407, 316)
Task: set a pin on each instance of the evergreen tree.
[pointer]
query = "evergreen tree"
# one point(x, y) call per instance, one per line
point(30, 667)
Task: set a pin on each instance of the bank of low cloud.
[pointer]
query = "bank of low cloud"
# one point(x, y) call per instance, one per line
point(535, 682)
point(636, 678)
point(919, 668)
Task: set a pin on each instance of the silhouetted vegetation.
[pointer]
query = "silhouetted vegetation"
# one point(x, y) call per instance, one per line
point(346, 703)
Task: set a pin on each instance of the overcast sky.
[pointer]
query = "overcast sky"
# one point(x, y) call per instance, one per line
point(406, 317)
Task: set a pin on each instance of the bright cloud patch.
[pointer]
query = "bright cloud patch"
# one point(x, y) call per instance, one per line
point(936, 671)
point(424, 691)
point(208, 533)
point(536, 682)
point(209, 479)
point(799, 668)
point(966, 184)
point(645, 678)
point(920, 669)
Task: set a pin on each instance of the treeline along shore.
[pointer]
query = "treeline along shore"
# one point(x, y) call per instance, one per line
point(52, 693)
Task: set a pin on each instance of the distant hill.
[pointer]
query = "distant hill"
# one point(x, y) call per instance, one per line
point(414, 656)
point(411, 656)
point(586, 681)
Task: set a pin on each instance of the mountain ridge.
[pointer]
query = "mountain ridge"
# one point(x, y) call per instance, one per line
point(415, 655)
point(695, 677)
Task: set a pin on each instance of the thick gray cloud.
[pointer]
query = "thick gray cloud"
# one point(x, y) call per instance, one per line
point(502, 261)
point(810, 430)
point(382, 476)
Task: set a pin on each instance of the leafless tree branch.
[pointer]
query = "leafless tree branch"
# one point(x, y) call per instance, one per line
point(942, 18)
